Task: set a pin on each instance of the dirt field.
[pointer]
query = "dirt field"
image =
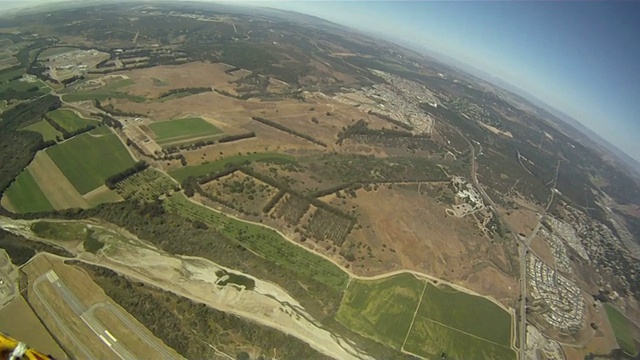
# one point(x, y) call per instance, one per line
point(522, 220)
point(56, 187)
point(412, 232)
point(600, 341)
point(89, 294)
point(21, 323)
point(540, 248)
point(151, 82)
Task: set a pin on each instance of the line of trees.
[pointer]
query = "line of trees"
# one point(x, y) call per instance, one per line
point(115, 112)
point(114, 179)
point(111, 122)
point(66, 134)
point(230, 138)
point(191, 91)
point(391, 120)
point(287, 130)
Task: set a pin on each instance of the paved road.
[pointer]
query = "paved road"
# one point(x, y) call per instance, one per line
point(523, 242)
point(88, 317)
point(85, 352)
point(150, 340)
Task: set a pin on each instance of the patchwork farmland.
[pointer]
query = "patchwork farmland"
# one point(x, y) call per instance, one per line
point(382, 309)
point(87, 161)
point(424, 319)
point(71, 174)
point(183, 131)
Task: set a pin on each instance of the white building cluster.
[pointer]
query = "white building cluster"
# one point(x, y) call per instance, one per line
point(557, 299)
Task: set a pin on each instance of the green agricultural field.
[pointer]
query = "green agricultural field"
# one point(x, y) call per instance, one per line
point(55, 51)
point(146, 185)
point(24, 86)
point(101, 130)
point(69, 120)
point(26, 196)
point(180, 131)
point(435, 339)
point(262, 241)
point(87, 161)
point(219, 165)
point(47, 131)
point(113, 90)
point(462, 325)
point(5, 76)
point(621, 329)
point(381, 309)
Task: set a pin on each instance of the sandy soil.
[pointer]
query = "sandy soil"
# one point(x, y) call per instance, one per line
point(196, 278)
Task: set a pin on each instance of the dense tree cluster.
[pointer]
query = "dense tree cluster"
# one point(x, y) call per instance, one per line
point(114, 179)
point(21, 249)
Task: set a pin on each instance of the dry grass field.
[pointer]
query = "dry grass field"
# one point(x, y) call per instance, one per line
point(20, 322)
point(152, 82)
point(412, 231)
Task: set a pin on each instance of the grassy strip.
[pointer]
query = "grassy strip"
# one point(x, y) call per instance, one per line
point(263, 241)
point(621, 329)
point(48, 132)
point(69, 121)
point(178, 129)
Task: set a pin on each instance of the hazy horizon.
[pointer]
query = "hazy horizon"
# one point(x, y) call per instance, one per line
point(579, 58)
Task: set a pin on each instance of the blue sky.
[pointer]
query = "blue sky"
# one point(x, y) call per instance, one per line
point(583, 58)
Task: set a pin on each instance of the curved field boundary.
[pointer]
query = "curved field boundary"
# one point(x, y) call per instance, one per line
point(434, 280)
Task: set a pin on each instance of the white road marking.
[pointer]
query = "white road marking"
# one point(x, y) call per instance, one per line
point(105, 340)
point(52, 276)
point(111, 336)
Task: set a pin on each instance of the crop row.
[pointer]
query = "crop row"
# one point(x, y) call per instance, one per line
point(146, 185)
point(327, 225)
